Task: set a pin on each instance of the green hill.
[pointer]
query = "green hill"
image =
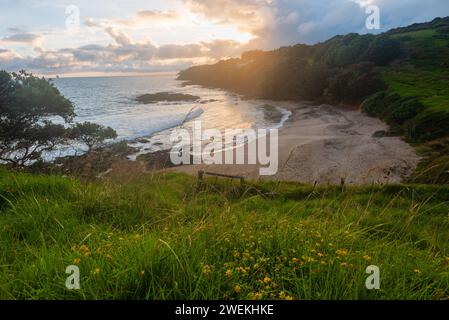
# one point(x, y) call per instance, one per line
point(401, 76)
point(166, 237)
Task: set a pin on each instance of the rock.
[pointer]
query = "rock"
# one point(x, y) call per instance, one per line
point(143, 140)
point(208, 101)
point(165, 96)
point(380, 134)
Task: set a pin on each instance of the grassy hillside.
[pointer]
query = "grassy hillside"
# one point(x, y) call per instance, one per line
point(166, 237)
point(401, 76)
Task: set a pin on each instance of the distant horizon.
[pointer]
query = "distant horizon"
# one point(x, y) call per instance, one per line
point(106, 75)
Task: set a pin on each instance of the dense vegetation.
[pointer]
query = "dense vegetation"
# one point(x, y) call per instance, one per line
point(165, 237)
point(35, 118)
point(401, 76)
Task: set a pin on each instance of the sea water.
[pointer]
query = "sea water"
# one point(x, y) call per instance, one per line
point(111, 101)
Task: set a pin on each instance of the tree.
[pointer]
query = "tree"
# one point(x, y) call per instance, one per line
point(91, 134)
point(29, 106)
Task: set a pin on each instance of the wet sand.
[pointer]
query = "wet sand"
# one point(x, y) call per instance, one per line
point(325, 144)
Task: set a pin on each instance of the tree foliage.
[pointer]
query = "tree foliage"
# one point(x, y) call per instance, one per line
point(91, 134)
point(34, 118)
point(341, 69)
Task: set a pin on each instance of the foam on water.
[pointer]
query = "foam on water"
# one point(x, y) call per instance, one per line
point(111, 101)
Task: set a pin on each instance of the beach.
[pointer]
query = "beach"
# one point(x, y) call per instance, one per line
point(327, 145)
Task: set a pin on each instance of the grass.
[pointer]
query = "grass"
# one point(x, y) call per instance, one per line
point(416, 103)
point(166, 237)
point(432, 87)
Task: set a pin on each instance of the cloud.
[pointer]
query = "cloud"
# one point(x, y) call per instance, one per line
point(247, 15)
point(157, 15)
point(119, 37)
point(123, 44)
point(125, 56)
point(27, 38)
point(141, 18)
point(277, 23)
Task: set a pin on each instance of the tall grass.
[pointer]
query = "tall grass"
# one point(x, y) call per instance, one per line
point(166, 237)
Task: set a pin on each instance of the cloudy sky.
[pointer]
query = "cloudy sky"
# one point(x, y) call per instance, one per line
point(87, 37)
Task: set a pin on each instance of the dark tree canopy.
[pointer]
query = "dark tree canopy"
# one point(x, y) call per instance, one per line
point(92, 134)
point(28, 104)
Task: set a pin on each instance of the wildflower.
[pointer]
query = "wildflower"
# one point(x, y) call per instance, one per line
point(308, 259)
point(417, 271)
point(266, 279)
point(237, 289)
point(207, 270)
point(76, 261)
point(295, 260)
point(256, 295)
point(96, 271)
point(344, 265)
point(288, 298)
point(136, 237)
point(229, 273)
point(241, 269)
point(366, 258)
point(342, 252)
point(319, 254)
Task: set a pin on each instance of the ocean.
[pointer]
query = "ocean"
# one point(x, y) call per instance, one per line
point(111, 101)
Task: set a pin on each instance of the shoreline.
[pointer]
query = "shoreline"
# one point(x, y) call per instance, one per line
point(324, 144)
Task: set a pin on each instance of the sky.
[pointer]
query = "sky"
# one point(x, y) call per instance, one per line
point(87, 37)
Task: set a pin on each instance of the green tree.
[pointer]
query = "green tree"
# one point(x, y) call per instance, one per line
point(28, 107)
point(91, 134)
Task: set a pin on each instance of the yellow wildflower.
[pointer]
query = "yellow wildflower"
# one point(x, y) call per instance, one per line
point(136, 237)
point(266, 279)
point(207, 270)
point(417, 271)
point(237, 289)
point(342, 252)
point(256, 296)
point(76, 261)
point(366, 258)
point(96, 271)
point(229, 273)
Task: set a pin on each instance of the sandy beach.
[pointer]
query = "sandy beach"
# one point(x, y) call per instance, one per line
point(324, 144)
